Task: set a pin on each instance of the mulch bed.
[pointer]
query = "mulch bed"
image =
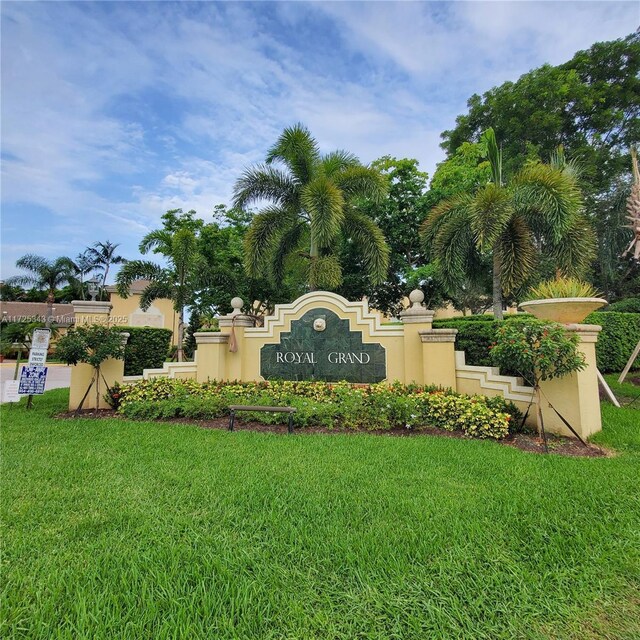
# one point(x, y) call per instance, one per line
point(524, 441)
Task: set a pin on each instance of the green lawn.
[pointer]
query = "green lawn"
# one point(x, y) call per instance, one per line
point(117, 529)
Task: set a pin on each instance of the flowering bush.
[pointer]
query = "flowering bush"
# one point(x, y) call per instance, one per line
point(319, 404)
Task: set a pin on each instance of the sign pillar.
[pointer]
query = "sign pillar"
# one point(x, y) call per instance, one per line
point(576, 396)
point(211, 355)
point(416, 319)
point(89, 313)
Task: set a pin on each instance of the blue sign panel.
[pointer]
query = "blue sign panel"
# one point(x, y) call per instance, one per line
point(32, 381)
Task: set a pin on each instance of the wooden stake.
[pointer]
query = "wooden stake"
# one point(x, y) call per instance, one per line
point(632, 359)
point(607, 389)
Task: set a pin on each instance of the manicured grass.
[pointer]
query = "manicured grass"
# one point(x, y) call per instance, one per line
point(118, 529)
point(625, 392)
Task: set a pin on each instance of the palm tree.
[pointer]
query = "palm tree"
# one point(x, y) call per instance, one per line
point(179, 281)
point(103, 255)
point(311, 198)
point(45, 274)
point(83, 265)
point(537, 215)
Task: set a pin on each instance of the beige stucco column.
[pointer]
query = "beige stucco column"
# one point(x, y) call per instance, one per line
point(235, 323)
point(439, 357)
point(416, 319)
point(112, 371)
point(88, 312)
point(576, 397)
point(211, 355)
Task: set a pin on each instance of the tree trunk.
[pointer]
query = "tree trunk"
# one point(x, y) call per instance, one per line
point(539, 420)
point(180, 334)
point(497, 286)
point(97, 377)
point(313, 252)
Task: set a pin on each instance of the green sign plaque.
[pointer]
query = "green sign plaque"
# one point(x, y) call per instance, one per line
point(320, 346)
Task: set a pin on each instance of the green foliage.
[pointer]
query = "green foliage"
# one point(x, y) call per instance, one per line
point(114, 395)
point(43, 274)
point(620, 334)
point(590, 105)
point(562, 288)
point(374, 407)
point(628, 305)
point(536, 217)
point(310, 210)
point(537, 350)
point(147, 348)
point(90, 345)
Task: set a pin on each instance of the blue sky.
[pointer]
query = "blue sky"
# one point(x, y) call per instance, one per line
point(114, 112)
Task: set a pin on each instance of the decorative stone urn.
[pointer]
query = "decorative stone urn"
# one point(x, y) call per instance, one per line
point(563, 310)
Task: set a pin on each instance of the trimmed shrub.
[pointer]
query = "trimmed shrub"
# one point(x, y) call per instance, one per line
point(620, 334)
point(147, 348)
point(319, 404)
point(628, 305)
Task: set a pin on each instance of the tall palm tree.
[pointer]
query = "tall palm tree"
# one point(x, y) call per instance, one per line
point(44, 274)
point(311, 206)
point(103, 255)
point(179, 281)
point(82, 266)
point(537, 215)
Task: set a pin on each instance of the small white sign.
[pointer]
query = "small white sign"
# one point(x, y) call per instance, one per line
point(40, 339)
point(10, 391)
point(37, 356)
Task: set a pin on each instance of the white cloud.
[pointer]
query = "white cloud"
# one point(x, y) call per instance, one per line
point(113, 113)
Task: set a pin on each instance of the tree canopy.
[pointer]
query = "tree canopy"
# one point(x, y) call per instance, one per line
point(311, 209)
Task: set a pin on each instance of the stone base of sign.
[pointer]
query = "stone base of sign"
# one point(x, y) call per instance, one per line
point(323, 336)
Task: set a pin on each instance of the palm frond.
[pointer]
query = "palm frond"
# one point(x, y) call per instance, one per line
point(337, 161)
point(517, 254)
point(155, 290)
point(494, 154)
point(490, 212)
point(288, 242)
point(451, 207)
point(159, 240)
point(454, 247)
point(325, 272)
point(322, 199)
point(547, 198)
point(261, 237)
point(263, 182)
point(370, 242)
point(360, 181)
point(298, 150)
point(137, 270)
point(576, 251)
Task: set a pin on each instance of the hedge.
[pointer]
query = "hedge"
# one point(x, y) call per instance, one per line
point(147, 348)
point(620, 333)
point(628, 305)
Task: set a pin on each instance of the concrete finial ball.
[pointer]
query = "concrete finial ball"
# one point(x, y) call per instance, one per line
point(416, 297)
point(236, 303)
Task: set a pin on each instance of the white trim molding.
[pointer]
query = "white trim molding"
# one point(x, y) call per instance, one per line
point(359, 310)
point(512, 388)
